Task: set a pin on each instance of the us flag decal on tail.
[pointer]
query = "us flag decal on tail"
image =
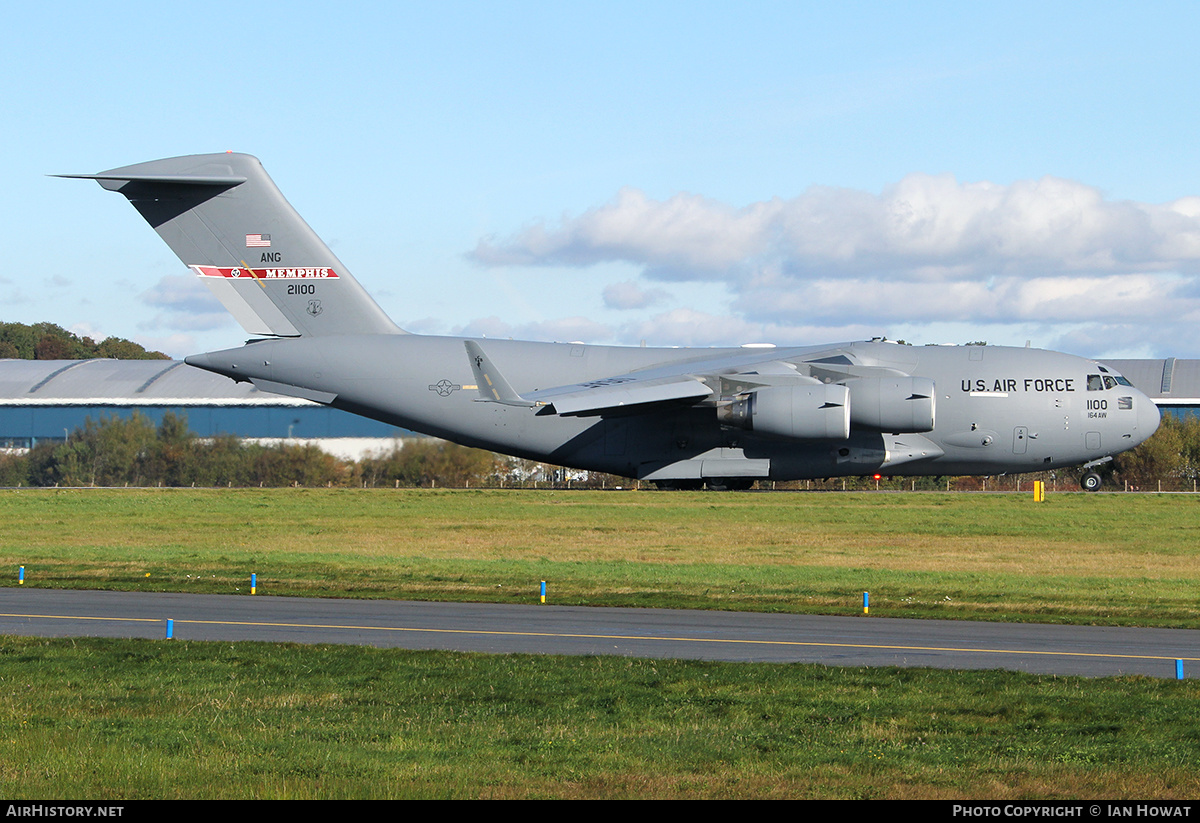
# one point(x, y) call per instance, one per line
point(257, 241)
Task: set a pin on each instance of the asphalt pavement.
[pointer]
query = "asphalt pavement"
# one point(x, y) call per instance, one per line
point(862, 640)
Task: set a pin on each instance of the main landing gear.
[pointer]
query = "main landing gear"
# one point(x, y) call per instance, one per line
point(1090, 482)
point(715, 484)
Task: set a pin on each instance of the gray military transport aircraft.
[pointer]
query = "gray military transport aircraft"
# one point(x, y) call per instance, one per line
point(679, 417)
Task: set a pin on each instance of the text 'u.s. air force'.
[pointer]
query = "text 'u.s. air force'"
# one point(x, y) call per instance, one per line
point(1028, 384)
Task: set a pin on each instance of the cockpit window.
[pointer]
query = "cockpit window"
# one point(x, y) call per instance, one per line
point(1109, 382)
point(1094, 383)
point(1123, 382)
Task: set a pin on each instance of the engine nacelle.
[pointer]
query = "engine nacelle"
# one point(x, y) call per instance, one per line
point(892, 404)
point(808, 412)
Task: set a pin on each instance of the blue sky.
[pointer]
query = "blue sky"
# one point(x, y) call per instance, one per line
point(679, 173)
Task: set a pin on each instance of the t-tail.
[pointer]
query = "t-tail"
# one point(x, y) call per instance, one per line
point(228, 222)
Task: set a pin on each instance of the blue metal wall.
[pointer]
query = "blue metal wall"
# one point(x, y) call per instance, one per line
point(25, 425)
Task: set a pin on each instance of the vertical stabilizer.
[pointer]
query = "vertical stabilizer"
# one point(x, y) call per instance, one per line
point(228, 222)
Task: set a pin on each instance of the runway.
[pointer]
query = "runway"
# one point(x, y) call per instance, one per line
point(662, 633)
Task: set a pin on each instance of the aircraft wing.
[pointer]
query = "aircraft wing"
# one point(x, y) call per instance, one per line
point(596, 396)
point(588, 397)
point(703, 378)
point(801, 394)
point(684, 382)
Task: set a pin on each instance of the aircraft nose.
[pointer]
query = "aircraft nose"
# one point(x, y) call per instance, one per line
point(1148, 417)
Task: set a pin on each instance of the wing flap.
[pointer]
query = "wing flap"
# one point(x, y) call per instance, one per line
point(590, 397)
point(597, 396)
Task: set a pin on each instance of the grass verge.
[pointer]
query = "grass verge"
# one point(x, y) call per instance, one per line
point(103, 719)
point(1110, 559)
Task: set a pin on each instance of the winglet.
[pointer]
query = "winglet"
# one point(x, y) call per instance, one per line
point(493, 388)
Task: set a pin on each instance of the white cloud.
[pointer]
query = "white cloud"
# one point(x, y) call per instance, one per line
point(175, 345)
point(185, 304)
point(688, 327)
point(1076, 298)
point(86, 329)
point(927, 250)
point(685, 230)
point(926, 226)
point(629, 295)
point(181, 292)
point(565, 330)
point(676, 327)
point(424, 325)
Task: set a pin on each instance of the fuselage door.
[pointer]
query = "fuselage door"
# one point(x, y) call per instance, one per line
point(1020, 439)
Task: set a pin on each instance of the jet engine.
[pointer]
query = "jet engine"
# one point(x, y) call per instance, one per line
point(807, 412)
point(892, 404)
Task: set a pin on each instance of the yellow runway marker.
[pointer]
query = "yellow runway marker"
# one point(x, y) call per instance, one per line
point(82, 617)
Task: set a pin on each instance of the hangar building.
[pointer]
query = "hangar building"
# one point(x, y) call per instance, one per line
point(1173, 384)
point(47, 399)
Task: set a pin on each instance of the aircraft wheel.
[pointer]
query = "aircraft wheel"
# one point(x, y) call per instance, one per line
point(729, 484)
point(1090, 482)
point(679, 485)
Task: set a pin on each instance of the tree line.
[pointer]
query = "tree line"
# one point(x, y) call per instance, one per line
point(1170, 457)
point(133, 451)
point(46, 341)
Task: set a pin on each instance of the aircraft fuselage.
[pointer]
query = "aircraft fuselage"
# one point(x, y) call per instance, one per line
point(998, 409)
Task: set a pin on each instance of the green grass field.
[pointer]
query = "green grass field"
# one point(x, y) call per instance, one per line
point(153, 719)
point(103, 719)
point(1117, 559)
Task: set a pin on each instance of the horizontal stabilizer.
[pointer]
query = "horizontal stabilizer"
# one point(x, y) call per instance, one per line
point(116, 182)
point(322, 397)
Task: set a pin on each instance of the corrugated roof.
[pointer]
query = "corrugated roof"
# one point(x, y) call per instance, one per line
point(125, 382)
point(1168, 382)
